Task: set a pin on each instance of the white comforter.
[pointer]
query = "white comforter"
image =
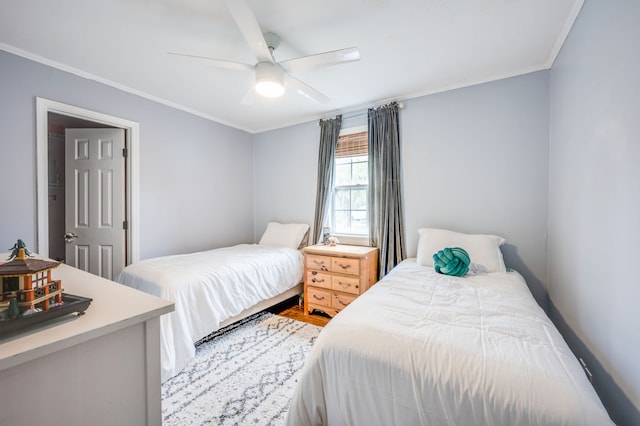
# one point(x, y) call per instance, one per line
point(421, 348)
point(209, 287)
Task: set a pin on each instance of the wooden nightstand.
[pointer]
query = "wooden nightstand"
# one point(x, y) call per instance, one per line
point(334, 276)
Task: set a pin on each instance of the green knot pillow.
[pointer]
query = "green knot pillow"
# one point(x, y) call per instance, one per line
point(451, 261)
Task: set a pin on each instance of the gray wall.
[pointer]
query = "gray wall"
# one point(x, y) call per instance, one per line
point(196, 176)
point(474, 160)
point(594, 188)
point(285, 173)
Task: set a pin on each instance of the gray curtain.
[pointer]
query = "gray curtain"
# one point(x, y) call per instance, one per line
point(329, 132)
point(386, 223)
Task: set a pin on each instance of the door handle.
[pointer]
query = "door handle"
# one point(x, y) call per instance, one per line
point(70, 237)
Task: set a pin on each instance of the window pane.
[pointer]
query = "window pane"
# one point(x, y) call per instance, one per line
point(342, 201)
point(359, 199)
point(359, 222)
point(343, 174)
point(360, 173)
point(342, 222)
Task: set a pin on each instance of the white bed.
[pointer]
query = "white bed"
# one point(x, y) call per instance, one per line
point(422, 348)
point(214, 288)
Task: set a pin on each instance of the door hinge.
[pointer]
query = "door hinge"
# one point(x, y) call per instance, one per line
point(125, 225)
point(125, 152)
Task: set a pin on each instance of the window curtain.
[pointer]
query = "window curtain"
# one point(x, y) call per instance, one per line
point(329, 132)
point(386, 223)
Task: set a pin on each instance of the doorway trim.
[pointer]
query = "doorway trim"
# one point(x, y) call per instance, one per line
point(132, 134)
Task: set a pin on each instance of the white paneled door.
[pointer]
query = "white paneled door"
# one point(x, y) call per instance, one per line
point(95, 234)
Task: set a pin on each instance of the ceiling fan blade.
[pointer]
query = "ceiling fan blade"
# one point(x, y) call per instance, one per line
point(322, 60)
point(306, 90)
point(250, 29)
point(217, 62)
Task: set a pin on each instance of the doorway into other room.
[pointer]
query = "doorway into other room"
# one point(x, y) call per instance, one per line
point(86, 206)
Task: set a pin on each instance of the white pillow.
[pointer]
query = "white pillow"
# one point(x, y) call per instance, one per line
point(484, 250)
point(284, 235)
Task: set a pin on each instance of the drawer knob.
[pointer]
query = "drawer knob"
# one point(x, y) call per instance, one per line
point(318, 298)
point(345, 285)
point(316, 280)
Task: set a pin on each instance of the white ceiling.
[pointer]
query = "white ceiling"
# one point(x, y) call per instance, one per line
point(408, 48)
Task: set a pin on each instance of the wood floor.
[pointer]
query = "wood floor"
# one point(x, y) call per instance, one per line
point(291, 309)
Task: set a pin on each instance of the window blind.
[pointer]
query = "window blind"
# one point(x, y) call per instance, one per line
point(352, 145)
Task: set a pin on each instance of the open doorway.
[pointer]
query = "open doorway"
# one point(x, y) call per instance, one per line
point(52, 120)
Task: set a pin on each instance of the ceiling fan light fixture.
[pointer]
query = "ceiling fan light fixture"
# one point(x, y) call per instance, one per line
point(269, 79)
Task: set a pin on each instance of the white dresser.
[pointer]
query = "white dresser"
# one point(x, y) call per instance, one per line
point(101, 368)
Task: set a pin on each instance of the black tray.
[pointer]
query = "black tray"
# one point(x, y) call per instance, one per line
point(70, 305)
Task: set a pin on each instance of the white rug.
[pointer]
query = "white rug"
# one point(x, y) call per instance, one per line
point(243, 375)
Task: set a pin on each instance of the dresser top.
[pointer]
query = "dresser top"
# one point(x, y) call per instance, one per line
point(113, 307)
point(340, 249)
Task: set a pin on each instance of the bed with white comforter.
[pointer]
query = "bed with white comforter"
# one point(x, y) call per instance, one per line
point(210, 287)
point(422, 348)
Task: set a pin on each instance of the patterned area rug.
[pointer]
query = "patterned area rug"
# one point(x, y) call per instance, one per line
point(244, 374)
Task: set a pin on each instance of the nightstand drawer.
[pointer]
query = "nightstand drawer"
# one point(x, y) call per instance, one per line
point(345, 265)
point(341, 300)
point(319, 297)
point(344, 283)
point(319, 263)
point(319, 279)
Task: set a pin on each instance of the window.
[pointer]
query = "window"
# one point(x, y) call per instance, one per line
point(349, 215)
point(10, 284)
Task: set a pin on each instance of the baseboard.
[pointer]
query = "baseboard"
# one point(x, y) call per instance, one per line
point(618, 405)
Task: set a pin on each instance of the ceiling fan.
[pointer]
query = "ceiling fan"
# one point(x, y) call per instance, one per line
point(271, 76)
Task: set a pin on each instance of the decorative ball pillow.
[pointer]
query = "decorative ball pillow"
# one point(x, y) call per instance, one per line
point(483, 250)
point(284, 235)
point(451, 261)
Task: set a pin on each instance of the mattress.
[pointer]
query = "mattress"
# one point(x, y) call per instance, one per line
point(421, 348)
point(209, 287)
